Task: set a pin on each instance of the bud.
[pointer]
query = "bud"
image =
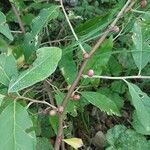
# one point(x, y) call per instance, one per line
point(90, 73)
point(76, 97)
point(85, 55)
point(52, 112)
point(115, 29)
point(143, 3)
point(60, 109)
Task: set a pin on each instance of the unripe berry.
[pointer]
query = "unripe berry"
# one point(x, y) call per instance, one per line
point(52, 112)
point(60, 109)
point(115, 29)
point(76, 97)
point(85, 55)
point(90, 73)
point(143, 3)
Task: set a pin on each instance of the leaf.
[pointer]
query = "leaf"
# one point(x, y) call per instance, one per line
point(42, 19)
point(30, 44)
point(115, 97)
point(45, 64)
point(13, 129)
point(102, 102)
point(1, 98)
point(121, 138)
point(43, 144)
point(92, 27)
point(74, 142)
point(3, 45)
point(140, 36)
point(138, 126)
point(118, 86)
point(114, 66)
point(54, 123)
point(141, 102)
point(68, 67)
point(125, 60)
point(4, 29)
point(8, 68)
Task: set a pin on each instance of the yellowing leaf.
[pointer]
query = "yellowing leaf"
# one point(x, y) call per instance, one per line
point(74, 142)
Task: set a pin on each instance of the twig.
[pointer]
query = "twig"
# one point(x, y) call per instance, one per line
point(118, 78)
point(72, 30)
point(76, 81)
point(17, 14)
point(49, 92)
point(55, 41)
point(33, 100)
point(120, 33)
point(16, 32)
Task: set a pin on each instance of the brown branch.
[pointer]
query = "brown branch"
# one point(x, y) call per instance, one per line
point(76, 81)
point(32, 100)
point(49, 92)
point(17, 14)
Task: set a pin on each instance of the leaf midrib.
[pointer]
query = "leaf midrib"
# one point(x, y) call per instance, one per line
point(1, 68)
point(27, 72)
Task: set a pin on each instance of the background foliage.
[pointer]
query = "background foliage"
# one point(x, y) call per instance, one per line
point(37, 67)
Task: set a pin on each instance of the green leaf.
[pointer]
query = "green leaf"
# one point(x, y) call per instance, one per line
point(125, 60)
point(140, 36)
point(42, 19)
point(1, 98)
point(15, 122)
point(114, 66)
point(92, 26)
point(102, 102)
point(54, 123)
point(8, 68)
point(45, 64)
point(30, 44)
point(4, 29)
point(141, 102)
point(121, 138)
point(3, 45)
point(138, 126)
point(43, 144)
point(118, 86)
point(115, 97)
point(68, 67)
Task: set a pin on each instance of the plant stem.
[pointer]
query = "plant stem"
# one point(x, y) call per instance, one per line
point(33, 100)
point(72, 30)
point(118, 78)
point(76, 81)
point(17, 14)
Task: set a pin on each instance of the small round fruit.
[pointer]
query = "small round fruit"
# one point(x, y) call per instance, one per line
point(115, 29)
point(60, 109)
point(143, 3)
point(85, 55)
point(90, 73)
point(76, 97)
point(52, 112)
